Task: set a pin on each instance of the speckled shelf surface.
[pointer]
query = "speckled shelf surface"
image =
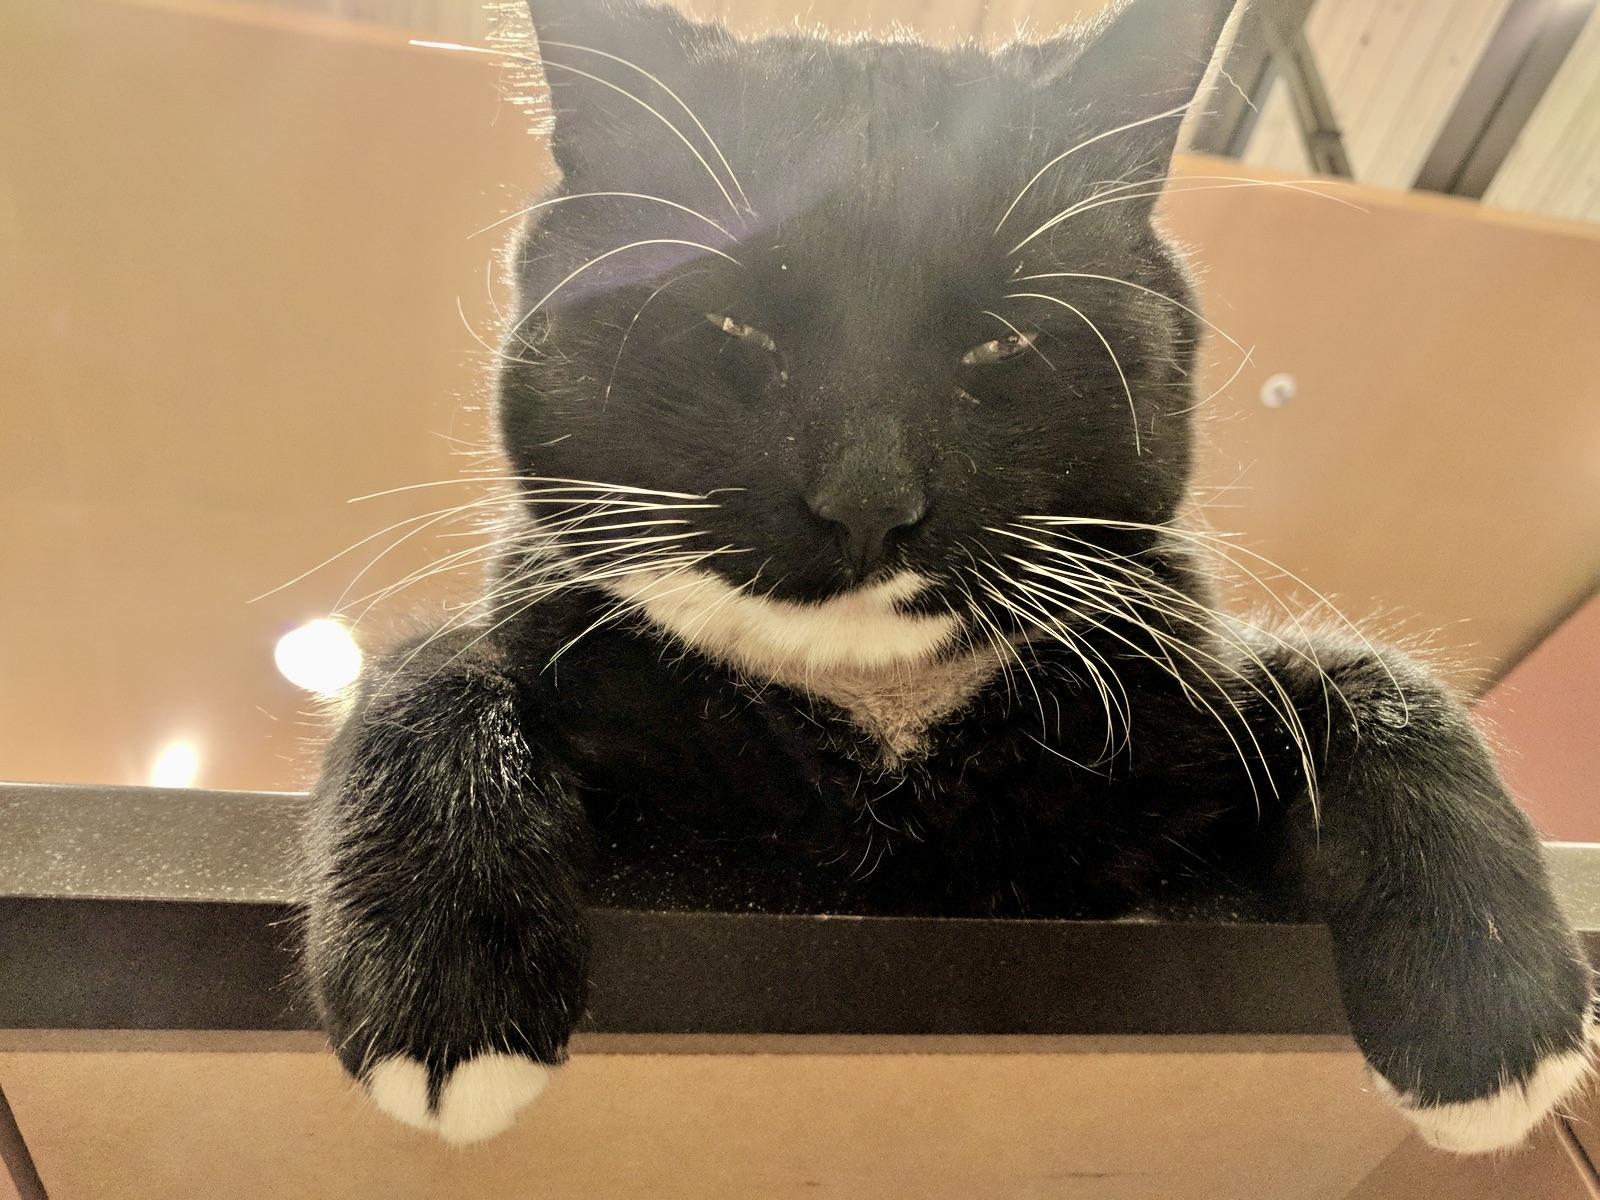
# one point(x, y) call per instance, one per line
point(151, 909)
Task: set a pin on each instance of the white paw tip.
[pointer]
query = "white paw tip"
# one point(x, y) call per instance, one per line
point(1497, 1122)
point(479, 1099)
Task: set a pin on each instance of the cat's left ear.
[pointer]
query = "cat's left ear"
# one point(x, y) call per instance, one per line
point(631, 29)
point(1141, 59)
point(617, 70)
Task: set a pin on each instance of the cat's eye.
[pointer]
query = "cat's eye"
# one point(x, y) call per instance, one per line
point(745, 333)
point(999, 349)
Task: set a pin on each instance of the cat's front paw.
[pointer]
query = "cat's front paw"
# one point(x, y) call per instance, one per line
point(1502, 1118)
point(473, 1101)
point(448, 1032)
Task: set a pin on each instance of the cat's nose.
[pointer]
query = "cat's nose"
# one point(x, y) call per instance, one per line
point(866, 524)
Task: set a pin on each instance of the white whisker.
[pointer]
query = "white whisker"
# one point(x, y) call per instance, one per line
point(1129, 283)
point(1040, 618)
point(484, 552)
point(498, 351)
point(1115, 361)
point(533, 208)
point(706, 133)
point(599, 258)
point(621, 91)
point(624, 607)
point(1002, 644)
point(562, 485)
point(428, 519)
point(1039, 174)
point(1162, 187)
point(1181, 606)
point(627, 333)
point(1193, 693)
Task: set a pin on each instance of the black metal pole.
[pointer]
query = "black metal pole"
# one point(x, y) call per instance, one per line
point(14, 1153)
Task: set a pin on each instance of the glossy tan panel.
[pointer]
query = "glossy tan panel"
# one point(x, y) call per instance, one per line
point(233, 246)
point(1438, 471)
point(931, 1126)
point(1545, 718)
point(243, 288)
point(1551, 1166)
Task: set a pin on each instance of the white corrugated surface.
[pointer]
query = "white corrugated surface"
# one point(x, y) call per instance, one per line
point(1392, 70)
point(1555, 166)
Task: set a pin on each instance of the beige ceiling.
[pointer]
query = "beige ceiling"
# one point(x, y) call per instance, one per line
point(1393, 70)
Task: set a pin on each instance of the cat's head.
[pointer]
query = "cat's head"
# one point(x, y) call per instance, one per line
point(874, 300)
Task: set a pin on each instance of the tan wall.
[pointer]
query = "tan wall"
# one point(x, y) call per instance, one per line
point(199, 1116)
point(1437, 474)
point(1545, 719)
point(233, 244)
point(1149, 1119)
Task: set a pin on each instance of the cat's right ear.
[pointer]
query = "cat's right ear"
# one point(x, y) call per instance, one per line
point(1139, 66)
point(614, 68)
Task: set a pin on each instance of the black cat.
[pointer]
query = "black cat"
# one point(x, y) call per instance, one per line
point(848, 399)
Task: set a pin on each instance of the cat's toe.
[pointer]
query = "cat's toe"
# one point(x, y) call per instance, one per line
point(1501, 1120)
point(483, 1096)
point(399, 1086)
point(478, 1099)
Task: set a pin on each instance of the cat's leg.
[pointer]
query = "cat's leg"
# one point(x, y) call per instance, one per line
point(1465, 987)
point(444, 942)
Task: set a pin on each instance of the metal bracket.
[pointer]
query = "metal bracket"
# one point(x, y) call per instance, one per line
point(1270, 43)
point(1516, 67)
point(14, 1153)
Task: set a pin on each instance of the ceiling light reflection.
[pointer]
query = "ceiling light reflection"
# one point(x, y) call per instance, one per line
point(320, 656)
point(176, 766)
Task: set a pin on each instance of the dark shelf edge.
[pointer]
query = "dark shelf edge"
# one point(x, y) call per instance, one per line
point(154, 965)
point(214, 950)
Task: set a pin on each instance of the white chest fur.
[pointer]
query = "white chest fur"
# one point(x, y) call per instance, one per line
point(856, 650)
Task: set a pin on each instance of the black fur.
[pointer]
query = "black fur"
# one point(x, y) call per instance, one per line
point(495, 775)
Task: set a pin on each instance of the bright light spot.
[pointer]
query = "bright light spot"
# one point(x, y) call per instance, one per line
point(320, 656)
point(176, 766)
